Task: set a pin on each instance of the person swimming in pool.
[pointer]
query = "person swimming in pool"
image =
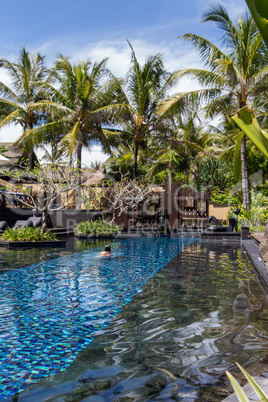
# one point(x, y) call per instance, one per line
point(107, 251)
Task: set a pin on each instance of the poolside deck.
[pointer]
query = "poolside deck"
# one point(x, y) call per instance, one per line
point(257, 236)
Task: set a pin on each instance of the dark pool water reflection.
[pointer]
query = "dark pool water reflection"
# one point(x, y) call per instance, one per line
point(194, 319)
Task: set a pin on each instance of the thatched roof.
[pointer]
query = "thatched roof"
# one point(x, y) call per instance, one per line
point(90, 177)
point(14, 154)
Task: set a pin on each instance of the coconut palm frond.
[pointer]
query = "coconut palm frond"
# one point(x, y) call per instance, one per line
point(40, 135)
point(69, 142)
point(180, 102)
point(206, 49)
point(12, 117)
point(219, 14)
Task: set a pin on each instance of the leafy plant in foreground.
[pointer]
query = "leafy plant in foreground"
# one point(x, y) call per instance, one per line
point(239, 390)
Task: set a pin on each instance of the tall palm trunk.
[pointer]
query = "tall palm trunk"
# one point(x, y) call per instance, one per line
point(136, 150)
point(169, 176)
point(31, 153)
point(30, 160)
point(78, 165)
point(244, 169)
point(244, 172)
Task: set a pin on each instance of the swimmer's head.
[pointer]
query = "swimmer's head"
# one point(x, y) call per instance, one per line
point(107, 248)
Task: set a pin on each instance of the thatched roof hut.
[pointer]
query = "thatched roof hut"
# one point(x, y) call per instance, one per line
point(90, 177)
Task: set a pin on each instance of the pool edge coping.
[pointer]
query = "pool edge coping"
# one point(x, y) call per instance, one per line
point(252, 251)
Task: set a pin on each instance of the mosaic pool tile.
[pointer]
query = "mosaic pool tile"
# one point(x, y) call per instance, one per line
point(51, 310)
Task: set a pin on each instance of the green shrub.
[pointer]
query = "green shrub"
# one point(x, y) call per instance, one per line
point(97, 228)
point(256, 216)
point(27, 234)
point(223, 197)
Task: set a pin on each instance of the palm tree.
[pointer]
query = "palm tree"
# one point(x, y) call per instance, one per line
point(75, 109)
point(146, 87)
point(54, 156)
point(165, 157)
point(180, 145)
point(18, 101)
point(233, 76)
point(120, 160)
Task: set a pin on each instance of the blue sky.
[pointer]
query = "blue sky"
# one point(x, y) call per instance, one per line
point(73, 26)
point(34, 23)
point(93, 29)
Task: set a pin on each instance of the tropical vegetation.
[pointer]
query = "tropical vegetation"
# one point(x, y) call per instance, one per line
point(27, 234)
point(139, 98)
point(97, 228)
point(20, 101)
point(234, 77)
point(151, 133)
point(54, 181)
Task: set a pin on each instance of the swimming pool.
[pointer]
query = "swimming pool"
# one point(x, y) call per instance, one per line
point(51, 310)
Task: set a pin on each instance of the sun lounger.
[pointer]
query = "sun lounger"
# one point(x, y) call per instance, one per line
point(34, 221)
point(3, 225)
point(23, 224)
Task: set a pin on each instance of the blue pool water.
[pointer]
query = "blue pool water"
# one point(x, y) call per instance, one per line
point(50, 310)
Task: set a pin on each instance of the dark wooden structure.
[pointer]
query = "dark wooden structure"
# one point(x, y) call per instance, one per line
point(17, 200)
point(185, 207)
point(193, 206)
point(168, 210)
point(148, 215)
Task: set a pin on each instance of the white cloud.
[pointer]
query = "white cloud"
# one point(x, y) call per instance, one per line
point(176, 54)
point(94, 155)
point(10, 133)
point(5, 78)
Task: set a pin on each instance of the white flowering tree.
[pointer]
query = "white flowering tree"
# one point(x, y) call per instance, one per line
point(50, 180)
point(123, 195)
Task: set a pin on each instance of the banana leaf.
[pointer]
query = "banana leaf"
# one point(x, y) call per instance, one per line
point(259, 11)
point(247, 122)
